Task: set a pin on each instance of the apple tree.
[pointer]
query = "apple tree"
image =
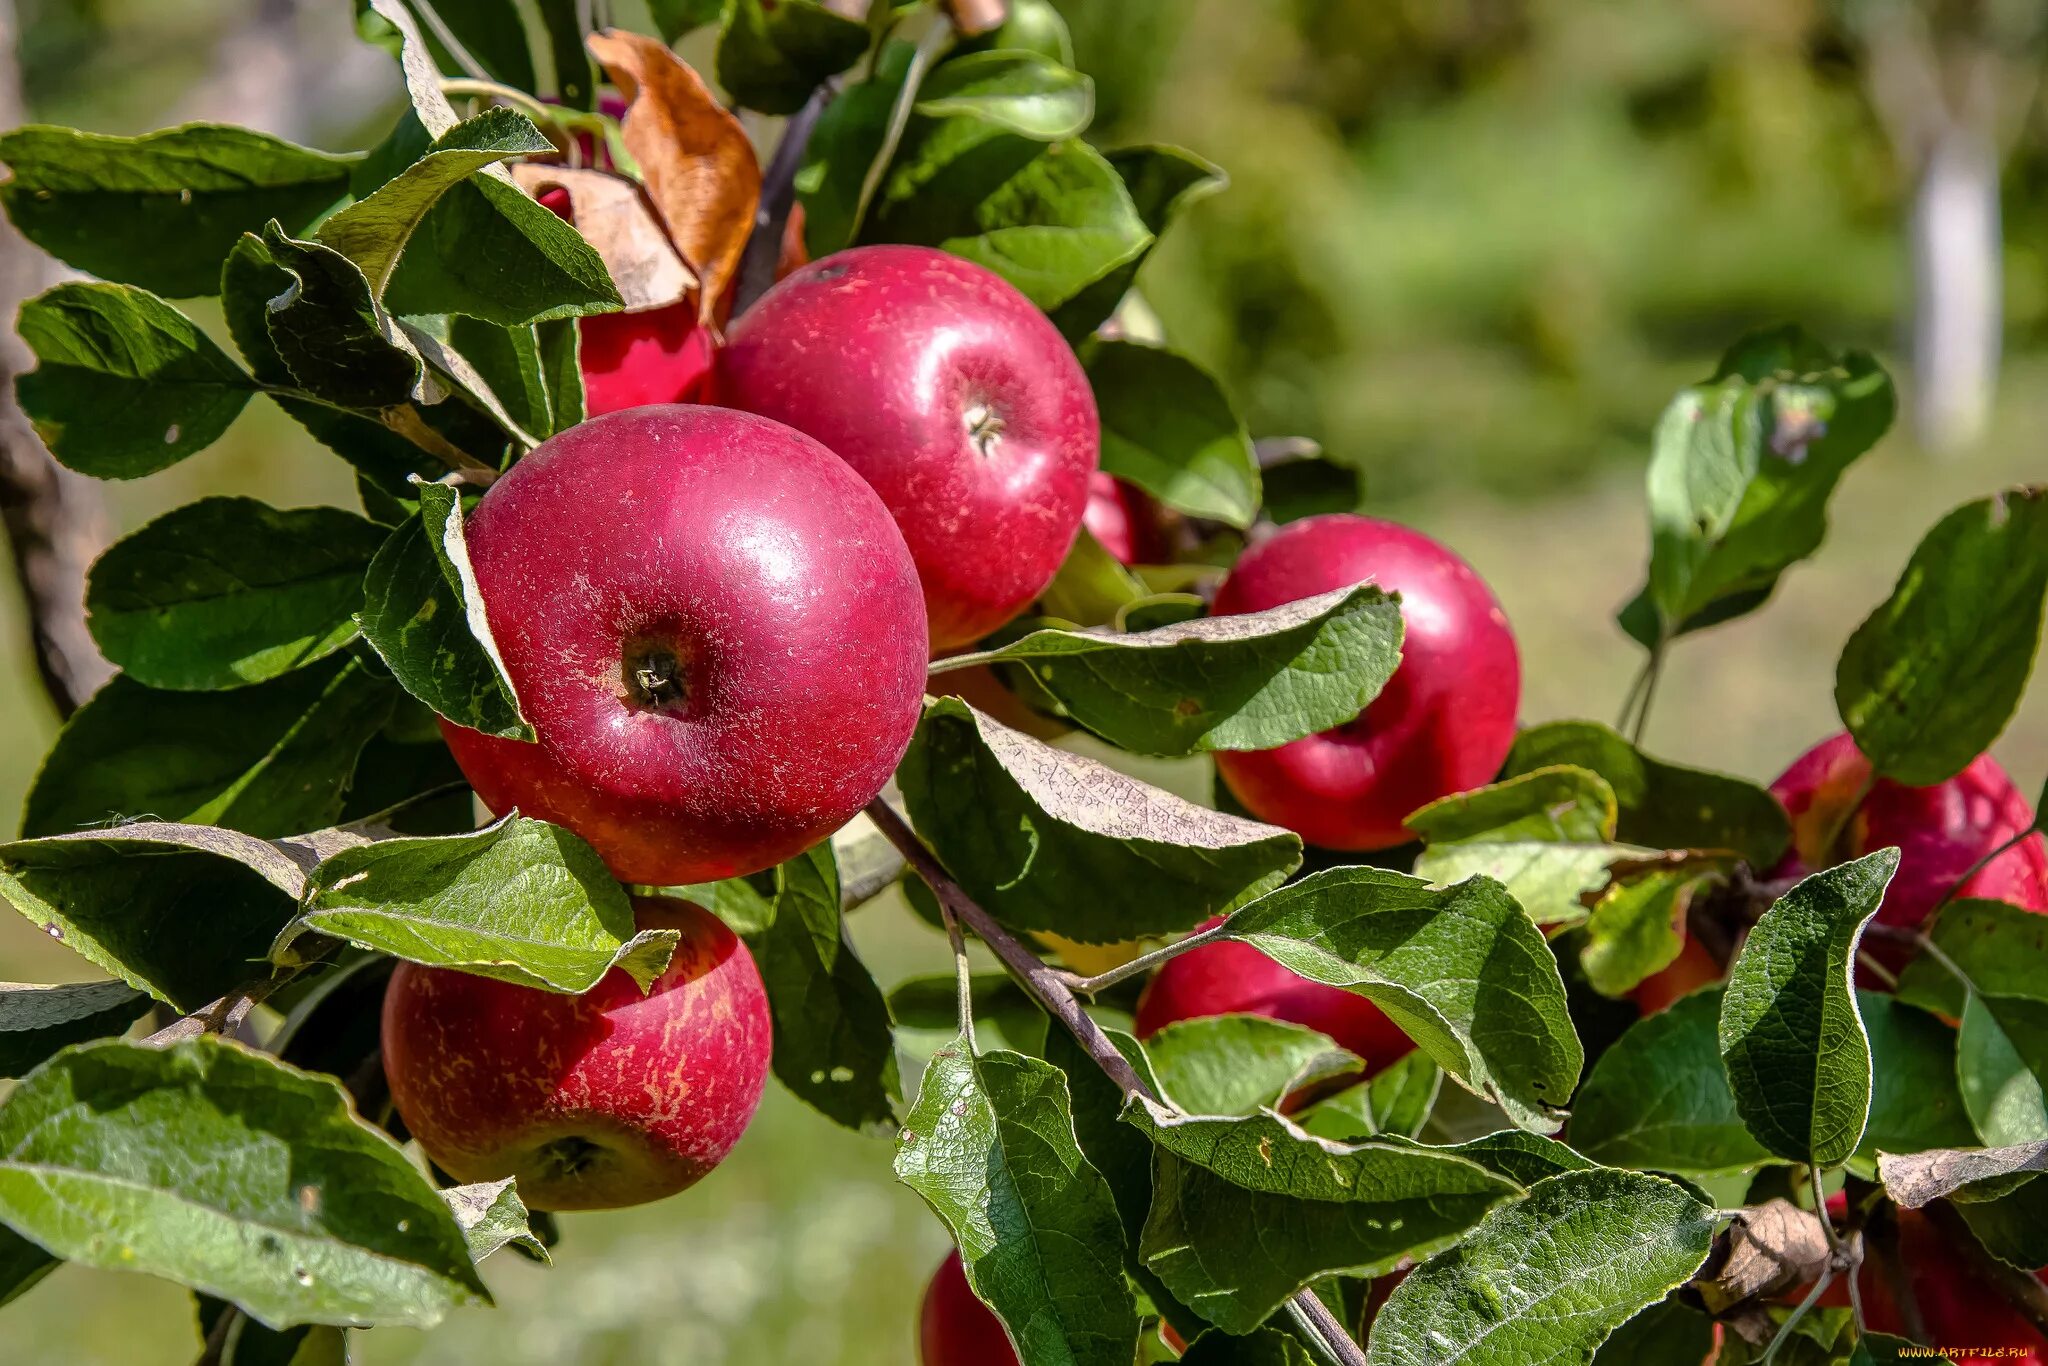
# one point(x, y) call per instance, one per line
point(745, 531)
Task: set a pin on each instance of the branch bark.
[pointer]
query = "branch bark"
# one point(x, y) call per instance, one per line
point(1048, 987)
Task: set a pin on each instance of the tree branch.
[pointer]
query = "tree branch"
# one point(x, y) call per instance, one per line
point(1048, 987)
point(778, 196)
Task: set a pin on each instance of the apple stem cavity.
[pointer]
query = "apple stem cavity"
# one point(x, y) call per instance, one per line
point(655, 678)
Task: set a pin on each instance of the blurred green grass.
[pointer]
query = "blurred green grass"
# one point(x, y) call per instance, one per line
point(1471, 247)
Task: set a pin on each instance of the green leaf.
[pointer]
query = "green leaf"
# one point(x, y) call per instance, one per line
point(1741, 469)
point(527, 376)
point(1034, 833)
point(36, 1021)
point(1668, 1331)
point(1549, 1277)
point(674, 18)
point(491, 32)
point(1931, 677)
point(1521, 1157)
point(423, 614)
point(1267, 1347)
point(22, 1265)
point(1092, 587)
point(990, 1147)
point(1161, 181)
point(491, 1215)
point(772, 55)
point(564, 22)
point(1547, 836)
point(833, 1046)
point(2014, 1226)
point(487, 251)
point(183, 912)
point(1245, 1212)
point(373, 231)
point(161, 210)
point(228, 591)
point(268, 760)
point(744, 907)
point(520, 900)
point(1168, 428)
point(1052, 224)
point(848, 138)
point(1460, 969)
point(1659, 1098)
point(1017, 91)
point(126, 385)
point(245, 1342)
point(1661, 806)
point(1915, 1104)
point(1253, 681)
point(331, 334)
point(1395, 1103)
point(2001, 1094)
point(1635, 930)
point(1792, 1037)
point(227, 1171)
point(1239, 1064)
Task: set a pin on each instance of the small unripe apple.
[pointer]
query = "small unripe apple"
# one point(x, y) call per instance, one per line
point(715, 631)
point(594, 1101)
point(954, 1328)
point(1443, 723)
point(952, 395)
point(1229, 978)
point(1940, 831)
point(1125, 520)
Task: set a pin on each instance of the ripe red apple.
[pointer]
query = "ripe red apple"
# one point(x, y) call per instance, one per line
point(658, 355)
point(715, 631)
point(952, 395)
point(1125, 520)
point(1957, 1309)
point(1229, 978)
point(1445, 720)
point(594, 1101)
point(954, 1328)
point(1940, 832)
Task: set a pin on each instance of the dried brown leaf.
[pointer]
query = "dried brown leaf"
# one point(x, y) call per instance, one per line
point(621, 226)
point(698, 166)
point(1771, 1247)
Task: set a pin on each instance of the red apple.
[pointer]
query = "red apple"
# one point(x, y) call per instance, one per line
point(952, 395)
point(1957, 1309)
point(1125, 520)
point(657, 355)
point(1445, 720)
point(954, 1328)
point(1940, 832)
point(1692, 969)
point(715, 631)
point(1229, 978)
point(594, 1101)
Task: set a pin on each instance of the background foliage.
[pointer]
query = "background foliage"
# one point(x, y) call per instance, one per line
point(1471, 247)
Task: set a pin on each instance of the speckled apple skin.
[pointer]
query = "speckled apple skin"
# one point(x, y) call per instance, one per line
point(1445, 720)
point(487, 1075)
point(1940, 831)
point(954, 1328)
point(885, 354)
point(1229, 978)
point(763, 564)
point(661, 355)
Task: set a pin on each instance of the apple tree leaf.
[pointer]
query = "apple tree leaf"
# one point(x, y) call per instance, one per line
point(1658, 1099)
point(1253, 681)
point(491, 1215)
point(36, 1021)
point(1168, 427)
point(1792, 1036)
point(232, 1173)
point(228, 591)
point(1161, 181)
point(520, 900)
point(990, 1146)
point(1462, 970)
point(1546, 835)
point(1548, 1277)
point(772, 55)
point(1931, 677)
point(1239, 1064)
point(1034, 833)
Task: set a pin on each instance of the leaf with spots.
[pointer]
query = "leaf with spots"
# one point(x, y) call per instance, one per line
point(1543, 1281)
point(521, 901)
point(990, 1146)
point(1036, 833)
point(227, 1171)
point(1792, 1037)
point(834, 1048)
point(1245, 1212)
point(1235, 682)
point(491, 1215)
point(1462, 970)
